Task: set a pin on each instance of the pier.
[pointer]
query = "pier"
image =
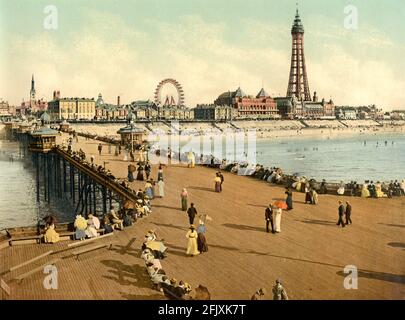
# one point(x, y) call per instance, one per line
point(309, 255)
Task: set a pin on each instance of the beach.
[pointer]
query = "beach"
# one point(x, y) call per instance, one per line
point(309, 254)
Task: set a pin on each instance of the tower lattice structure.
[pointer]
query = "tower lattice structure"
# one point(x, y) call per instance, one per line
point(298, 81)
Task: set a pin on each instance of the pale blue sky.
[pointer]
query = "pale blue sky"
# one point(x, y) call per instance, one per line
point(126, 47)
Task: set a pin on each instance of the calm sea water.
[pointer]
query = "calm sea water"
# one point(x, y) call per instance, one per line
point(18, 202)
point(344, 159)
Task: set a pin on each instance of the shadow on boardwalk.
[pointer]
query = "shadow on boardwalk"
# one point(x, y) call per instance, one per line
point(320, 222)
point(122, 273)
point(382, 276)
point(393, 225)
point(397, 245)
point(243, 227)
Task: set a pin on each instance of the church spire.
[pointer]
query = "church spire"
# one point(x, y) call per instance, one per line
point(32, 91)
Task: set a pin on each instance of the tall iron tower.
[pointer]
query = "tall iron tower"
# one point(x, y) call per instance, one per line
point(298, 82)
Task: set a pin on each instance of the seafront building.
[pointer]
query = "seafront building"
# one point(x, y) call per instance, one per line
point(262, 106)
point(108, 111)
point(212, 112)
point(71, 108)
point(5, 109)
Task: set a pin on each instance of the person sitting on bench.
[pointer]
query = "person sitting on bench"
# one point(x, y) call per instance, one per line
point(118, 223)
point(51, 236)
point(80, 225)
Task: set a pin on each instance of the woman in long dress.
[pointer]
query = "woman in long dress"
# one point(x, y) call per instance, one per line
point(81, 225)
point(201, 240)
point(277, 219)
point(160, 173)
point(341, 190)
point(289, 199)
point(314, 196)
point(364, 191)
point(51, 236)
point(217, 181)
point(148, 189)
point(379, 192)
point(130, 174)
point(192, 246)
point(308, 194)
point(161, 187)
point(183, 196)
point(140, 173)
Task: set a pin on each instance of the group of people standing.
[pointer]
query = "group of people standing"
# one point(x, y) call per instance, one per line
point(197, 242)
point(344, 212)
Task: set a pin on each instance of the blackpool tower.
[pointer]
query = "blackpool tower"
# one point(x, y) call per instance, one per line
point(298, 82)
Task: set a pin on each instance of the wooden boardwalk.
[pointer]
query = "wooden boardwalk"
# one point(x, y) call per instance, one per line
point(309, 255)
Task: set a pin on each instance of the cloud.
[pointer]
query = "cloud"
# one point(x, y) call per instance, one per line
point(121, 58)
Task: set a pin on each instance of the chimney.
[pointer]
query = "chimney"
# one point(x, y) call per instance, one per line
point(54, 95)
point(118, 101)
point(58, 94)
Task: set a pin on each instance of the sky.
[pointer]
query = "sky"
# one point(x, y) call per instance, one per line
point(127, 47)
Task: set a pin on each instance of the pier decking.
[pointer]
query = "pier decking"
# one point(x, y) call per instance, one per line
point(309, 255)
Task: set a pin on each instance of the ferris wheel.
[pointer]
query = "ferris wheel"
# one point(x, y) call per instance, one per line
point(169, 100)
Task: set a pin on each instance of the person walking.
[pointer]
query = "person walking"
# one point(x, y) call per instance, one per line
point(201, 239)
point(192, 212)
point(160, 173)
point(268, 215)
point(183, 196)
point(192, 246)
point(161, 187)
point(222, 180)
point(277, 220)
point(279, 292)
point(217, 181)
point(348, 213)
point(130, 173)
point(341, 211)
point(147, 170)
point(289, 199)
point(100, 148)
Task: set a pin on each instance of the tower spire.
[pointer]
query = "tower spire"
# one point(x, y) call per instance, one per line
point(298, 81)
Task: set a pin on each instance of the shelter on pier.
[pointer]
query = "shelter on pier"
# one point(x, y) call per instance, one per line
point(43, 140)
point(131, 135)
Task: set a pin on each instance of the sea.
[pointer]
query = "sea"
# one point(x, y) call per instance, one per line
point(352, 158)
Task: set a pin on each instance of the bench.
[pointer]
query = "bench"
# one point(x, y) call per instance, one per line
point(35, 270)
point(78, 252)
point(28, 239)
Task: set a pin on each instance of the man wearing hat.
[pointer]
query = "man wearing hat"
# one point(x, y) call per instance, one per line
point(268, 215)
point(341, 211)
point(279, 292)
point(192, 212)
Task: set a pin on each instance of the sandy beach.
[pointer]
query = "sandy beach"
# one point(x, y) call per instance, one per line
point(309, 255)
point(266, 130)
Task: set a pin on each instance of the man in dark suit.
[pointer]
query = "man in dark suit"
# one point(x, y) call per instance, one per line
point(268, 215)
point(192, 212)
point(348, 212)
point(341, 211)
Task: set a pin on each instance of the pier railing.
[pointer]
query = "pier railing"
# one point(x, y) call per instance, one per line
point(104, 180)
